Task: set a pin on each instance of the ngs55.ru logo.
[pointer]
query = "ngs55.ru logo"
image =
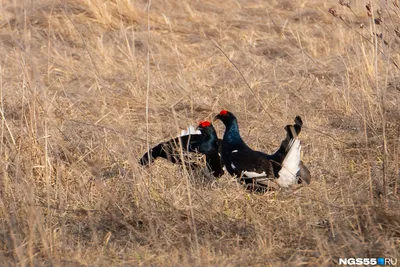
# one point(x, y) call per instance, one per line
point(368, 261)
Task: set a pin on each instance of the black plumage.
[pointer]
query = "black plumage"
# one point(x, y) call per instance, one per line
point(206, 142)
point(242, 161)
point(239, 159)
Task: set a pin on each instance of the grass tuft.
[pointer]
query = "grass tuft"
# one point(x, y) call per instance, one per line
point(79, 80)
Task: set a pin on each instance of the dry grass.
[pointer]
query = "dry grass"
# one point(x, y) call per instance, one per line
point(74, 81)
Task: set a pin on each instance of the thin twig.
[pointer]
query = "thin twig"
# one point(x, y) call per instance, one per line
point(148, 79)
point(321, 132)
point(368, 40)
point(83, 41)
point(241, 74)
point(305, 53)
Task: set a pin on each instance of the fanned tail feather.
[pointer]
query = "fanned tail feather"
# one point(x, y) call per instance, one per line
point(291, 163)
point(190, 130)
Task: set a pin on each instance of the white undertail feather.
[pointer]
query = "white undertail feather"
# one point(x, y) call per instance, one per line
point(190, 130)
point(290, 165)
point(253, 174)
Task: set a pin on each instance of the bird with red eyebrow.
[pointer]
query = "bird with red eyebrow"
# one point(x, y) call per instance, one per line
point(202, 140)
point(256, 167)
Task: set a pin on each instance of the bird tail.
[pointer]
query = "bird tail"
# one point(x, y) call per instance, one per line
point(291, 162)
point(304, 174)
point(189, 131)
point(292, 132)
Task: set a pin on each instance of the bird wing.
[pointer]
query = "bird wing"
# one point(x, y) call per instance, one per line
point(250, 164)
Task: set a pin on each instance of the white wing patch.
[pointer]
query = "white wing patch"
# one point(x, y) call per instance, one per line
point(254, 174)
point(290, 165)
point(233, 166)
point(190, 131)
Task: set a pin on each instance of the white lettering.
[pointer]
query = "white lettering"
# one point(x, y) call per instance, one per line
point(367, 261)
point(351, 261)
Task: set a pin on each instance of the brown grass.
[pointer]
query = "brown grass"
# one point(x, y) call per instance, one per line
point(75, 77)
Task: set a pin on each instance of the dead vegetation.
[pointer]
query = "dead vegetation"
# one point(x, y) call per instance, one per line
point(86, 85)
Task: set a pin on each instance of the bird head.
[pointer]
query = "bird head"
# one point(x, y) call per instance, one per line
point(205, 127)
point(209, 134)
point(226, 117)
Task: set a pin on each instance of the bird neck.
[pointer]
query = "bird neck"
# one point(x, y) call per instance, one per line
point(232, 134)
point(208, 143)
point(209, 138)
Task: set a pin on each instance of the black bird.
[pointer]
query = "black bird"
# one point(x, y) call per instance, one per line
point(204, 141)
point(242, 161)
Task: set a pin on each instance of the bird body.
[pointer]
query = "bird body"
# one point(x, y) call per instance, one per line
point(242, 161)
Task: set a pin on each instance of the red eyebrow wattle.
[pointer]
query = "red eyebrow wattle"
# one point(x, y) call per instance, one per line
point(204, 124)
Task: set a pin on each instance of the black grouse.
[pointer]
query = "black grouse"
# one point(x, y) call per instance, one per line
point(204, 141)
point(242, 161)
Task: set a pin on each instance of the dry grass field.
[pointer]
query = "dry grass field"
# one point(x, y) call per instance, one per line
point(86, 86)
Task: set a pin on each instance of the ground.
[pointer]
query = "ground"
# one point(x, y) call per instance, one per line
point(87, 86)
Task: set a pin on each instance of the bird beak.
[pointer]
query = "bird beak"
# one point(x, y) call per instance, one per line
point(216, 117)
